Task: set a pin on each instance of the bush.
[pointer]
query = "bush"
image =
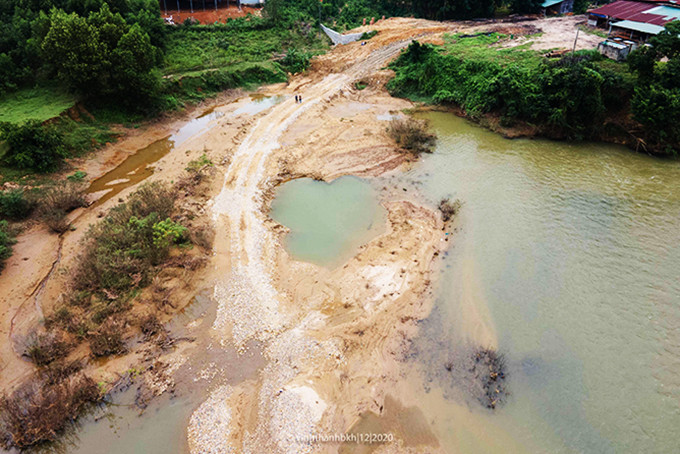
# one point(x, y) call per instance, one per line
point(42, 407)
point(295, 61)
point(449, 209)
point(34, 146)
point(14, 204)
point(108, 339)
point(57, 201)
point(412, 135)
point(569, 98)
point(121, 251)
point(43, 349)
point(368, 35)
point(6, 242)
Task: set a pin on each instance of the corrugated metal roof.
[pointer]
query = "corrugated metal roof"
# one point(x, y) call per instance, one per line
point(549, 3)
point(639, 12)
point(622, 9)
point(668, 12)
point(639, 27)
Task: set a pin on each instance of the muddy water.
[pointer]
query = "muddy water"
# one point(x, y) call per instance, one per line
point(567, 259)
point(119, 427)
point(327, 222)
point(139, 166)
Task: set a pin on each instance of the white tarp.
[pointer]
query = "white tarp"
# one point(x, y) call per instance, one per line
point(338, 38)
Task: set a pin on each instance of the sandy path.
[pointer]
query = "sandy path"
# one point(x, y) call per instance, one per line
point(316, 325)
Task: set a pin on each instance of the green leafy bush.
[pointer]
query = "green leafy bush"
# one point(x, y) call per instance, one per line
point(14, 204)
point(295, 61)
point(34, 146)
point(6, 242)
point(568, 98)
point(122, 249)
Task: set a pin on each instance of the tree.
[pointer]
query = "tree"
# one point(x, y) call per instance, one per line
point(34, 146)
point(73, 47)
point(102, 56)
point(525, 6)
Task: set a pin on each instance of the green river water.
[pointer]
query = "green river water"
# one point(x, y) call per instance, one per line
point(567, 256)
point(574, 252)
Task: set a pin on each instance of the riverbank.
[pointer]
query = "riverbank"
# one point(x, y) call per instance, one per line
point(506, 79)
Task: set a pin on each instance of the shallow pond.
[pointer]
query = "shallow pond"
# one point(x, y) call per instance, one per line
point(327, 221)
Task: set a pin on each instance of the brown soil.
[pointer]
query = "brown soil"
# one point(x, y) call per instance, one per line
point(210, 15)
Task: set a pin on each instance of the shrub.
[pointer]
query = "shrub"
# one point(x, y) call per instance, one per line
point(14, 204)
point(368, 35)
point(295, 61)
point(412, 135)
point(45, 348)
point(6, 242)
point(449, 209)
point(57, 201)
point(78, 176)
point(120, 251)
point(108, 339)
point(34, 146)
point(42, 407)
point(150, 325)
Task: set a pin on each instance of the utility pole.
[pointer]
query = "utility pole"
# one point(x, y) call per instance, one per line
point(574, 49)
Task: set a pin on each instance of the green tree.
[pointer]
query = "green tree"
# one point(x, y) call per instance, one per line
point(73, 47)
point(34, 146)
point(525, 6)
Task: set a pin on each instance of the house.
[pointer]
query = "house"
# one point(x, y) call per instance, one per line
point(631, 20)
point(617, 48)
point(553, 7)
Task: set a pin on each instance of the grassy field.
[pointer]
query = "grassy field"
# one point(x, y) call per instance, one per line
point(190, 49)
point(484, 48)
point(40, 103)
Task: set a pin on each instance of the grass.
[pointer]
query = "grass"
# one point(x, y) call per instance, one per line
point(208, 47)
point(40, 103)
point(485, 48)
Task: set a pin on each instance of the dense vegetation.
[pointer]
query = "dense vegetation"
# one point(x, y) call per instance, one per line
point(656, 102)
point(577, 96)
point(120, 60)
point(569, 97)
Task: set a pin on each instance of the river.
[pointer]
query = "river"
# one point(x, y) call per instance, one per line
point(567, 259)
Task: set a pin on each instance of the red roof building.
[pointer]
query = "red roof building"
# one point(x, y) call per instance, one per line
point(653, 12)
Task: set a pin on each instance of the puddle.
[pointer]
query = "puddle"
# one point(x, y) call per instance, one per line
point(120, 428)
point(138, 166)
point(259, 103)
point(328, 222)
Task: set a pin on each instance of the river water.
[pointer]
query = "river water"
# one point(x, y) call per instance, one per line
point(567, 259)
